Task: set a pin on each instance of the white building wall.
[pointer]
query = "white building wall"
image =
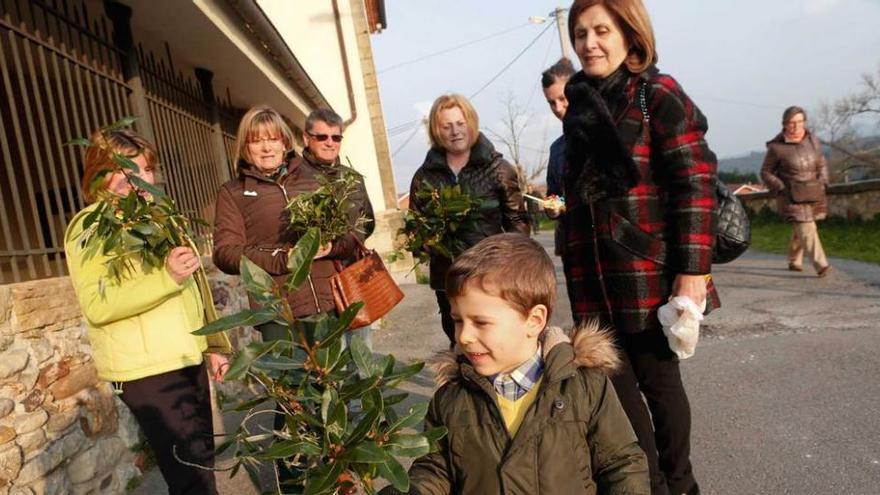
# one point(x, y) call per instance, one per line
point(309, 29)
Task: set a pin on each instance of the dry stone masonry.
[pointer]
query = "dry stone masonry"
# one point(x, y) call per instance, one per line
point(62, 431)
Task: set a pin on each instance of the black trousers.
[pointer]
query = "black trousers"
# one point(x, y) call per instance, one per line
point(174, 411)
point(651, 368)
point(446, 316)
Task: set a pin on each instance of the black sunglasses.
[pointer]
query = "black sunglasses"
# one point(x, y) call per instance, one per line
point(323, 137)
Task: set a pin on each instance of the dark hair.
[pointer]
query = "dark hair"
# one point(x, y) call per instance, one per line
point(635, 23)
point(326, 116)
point(791, 111)
point(511, 265)
point(562, 69)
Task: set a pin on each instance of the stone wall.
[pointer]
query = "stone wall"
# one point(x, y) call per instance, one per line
point(852, 200)
point(61, 429)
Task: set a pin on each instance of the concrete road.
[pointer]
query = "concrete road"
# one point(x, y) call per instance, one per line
point(784, 385)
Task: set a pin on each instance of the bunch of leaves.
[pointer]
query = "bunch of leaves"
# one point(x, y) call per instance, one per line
point(437, 227)
point(141, 227)
point(327, 208)
point(314, 381)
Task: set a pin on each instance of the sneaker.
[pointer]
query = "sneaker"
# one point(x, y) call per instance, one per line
point(795, 268)
point(824, 271)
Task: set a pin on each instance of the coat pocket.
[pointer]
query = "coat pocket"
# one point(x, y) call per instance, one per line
point(637, 241)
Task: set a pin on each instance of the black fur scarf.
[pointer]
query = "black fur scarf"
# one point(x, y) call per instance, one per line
point(600, 164)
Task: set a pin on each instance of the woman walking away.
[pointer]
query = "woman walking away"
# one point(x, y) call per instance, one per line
point(638, 221)
point(139, 327)
point(461, 154)
point(795, 169)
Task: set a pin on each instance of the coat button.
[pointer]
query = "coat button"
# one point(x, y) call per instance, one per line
point(559, 404)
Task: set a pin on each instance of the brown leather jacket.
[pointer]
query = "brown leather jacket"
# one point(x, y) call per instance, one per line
point(788, 162)
point(251, 221)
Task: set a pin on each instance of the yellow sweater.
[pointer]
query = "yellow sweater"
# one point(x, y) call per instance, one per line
point(514, 411)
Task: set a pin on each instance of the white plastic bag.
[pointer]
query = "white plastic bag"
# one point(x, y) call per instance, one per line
point(681, 319)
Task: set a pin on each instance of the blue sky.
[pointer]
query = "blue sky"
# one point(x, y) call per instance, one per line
point(741, 61)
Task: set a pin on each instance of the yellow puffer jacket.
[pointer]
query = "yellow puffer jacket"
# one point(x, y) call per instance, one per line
point(141, 326)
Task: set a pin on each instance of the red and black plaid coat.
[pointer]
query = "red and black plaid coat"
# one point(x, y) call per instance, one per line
point(639, 214)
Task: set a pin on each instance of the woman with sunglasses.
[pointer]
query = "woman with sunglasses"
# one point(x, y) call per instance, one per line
point(251, 219)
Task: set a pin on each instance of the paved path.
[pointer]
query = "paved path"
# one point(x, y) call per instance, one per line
point(784, 385)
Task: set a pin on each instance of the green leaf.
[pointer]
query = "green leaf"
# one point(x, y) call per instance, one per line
point(327, 357)
point(244, 318)
point(282, 363)
point(289, 448)
point(120, 124)
point(347, 316)
point(364, 426)
point(407, 445)
point(362, 356)
point(356, 389)
point(146, 186)
point(394, 472)
point(257, 281)
point(415, 416)
point(434, 435)
point(326, 400)
point(79, 142)
point(125, 163)
point(322, 480)
point(366, 452)
point(299, 263)
point(246, 357)
point(403, 373)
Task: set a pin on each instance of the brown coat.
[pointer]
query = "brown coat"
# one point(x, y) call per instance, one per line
point(788, 162)
point(251, 221)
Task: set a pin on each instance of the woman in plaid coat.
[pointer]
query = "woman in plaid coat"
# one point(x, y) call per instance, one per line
point(639, 227)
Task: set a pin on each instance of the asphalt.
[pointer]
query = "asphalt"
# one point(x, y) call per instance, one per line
point(783, 386)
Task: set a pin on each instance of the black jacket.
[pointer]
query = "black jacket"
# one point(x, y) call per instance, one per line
point(486, 176)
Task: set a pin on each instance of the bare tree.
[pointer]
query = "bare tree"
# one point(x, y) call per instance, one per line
point(837, 125)
point(514, 123)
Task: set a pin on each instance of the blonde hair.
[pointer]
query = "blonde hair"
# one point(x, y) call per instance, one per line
point(446, 102)
point(256, 119)
point(635, 23)
point(99, 157)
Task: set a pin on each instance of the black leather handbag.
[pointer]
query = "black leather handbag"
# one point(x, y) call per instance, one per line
point(733, 232)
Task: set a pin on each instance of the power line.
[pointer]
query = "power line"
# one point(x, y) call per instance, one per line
point(406, 142)
point(451, 49)
point(504, 69)
point(398, 129)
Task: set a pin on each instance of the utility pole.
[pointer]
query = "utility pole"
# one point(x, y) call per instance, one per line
point(562, 29)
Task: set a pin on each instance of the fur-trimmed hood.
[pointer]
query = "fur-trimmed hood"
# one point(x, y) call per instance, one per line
point(593, 348)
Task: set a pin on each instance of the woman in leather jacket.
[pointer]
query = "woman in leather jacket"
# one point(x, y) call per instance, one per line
point(461, 154)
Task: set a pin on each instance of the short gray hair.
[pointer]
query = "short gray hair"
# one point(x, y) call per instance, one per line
point(326, 116)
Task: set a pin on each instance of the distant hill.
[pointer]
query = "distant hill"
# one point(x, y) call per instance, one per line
point(749, 163)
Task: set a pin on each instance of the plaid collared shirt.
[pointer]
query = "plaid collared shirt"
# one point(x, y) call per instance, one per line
point(518, 382)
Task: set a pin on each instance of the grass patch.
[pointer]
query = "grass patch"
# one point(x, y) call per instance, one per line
point(857, 239)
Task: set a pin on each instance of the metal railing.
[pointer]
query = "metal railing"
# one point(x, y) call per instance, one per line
point(61, 76)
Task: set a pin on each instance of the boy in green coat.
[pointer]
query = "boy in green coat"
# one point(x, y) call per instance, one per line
point(529, 409)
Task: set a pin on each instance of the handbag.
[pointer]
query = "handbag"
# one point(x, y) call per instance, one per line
point(733, 232)
point(218, 343)
point(808, 191)
point(365, 280)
